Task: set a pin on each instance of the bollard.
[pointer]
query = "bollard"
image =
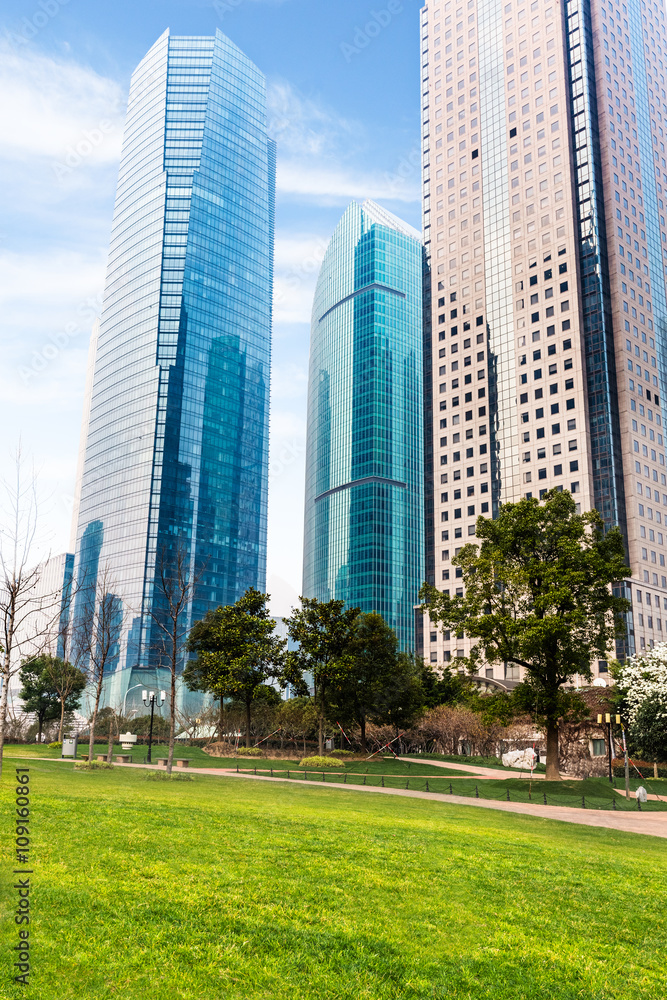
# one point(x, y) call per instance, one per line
point(305, 775)
point(639, 805)
point(508, 794)
point(545, 798)
point(288, 772)
point(345, 778)
point(427, 784)
point(383, 780)
point(322, 775)
point(255, 770)
point(476, 792)
point(237, 768)
point(451, 790)
point(613, 804)
point(364, 779)
point(407, 783)
point(271, 772)
point(583, 801)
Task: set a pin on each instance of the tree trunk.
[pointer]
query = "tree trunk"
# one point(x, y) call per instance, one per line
point(247, 722)
point(172, 719)
point(221, 720)
point(94, 719)
point(40, 720)
point(320, 735)
point(363, 733)
point(553, 770)
point(304, 744)
point(110, 746)
point(62, 719)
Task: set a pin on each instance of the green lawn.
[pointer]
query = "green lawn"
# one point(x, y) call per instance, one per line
point(221, 889)
point(378, 765)
point(480, 762)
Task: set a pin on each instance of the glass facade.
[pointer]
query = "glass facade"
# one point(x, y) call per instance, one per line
point(176, 456)
point(364, 461)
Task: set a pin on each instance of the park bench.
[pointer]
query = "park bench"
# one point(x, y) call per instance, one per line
point(100, 756)
point(182, 762)
point(124, 758)
point(161, 761)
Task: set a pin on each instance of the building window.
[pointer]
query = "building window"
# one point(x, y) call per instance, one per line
point(598, 748)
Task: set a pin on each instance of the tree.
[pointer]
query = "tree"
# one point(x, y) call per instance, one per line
point(27, 615)
point(237, 652)
point(174, 586)
point(37, 692)
point(298, 718)
point(97, 639)
point(325, 632)
point(642, 682)
point(400, 701)
point(373, 653)
point(539, 593)
point(68, 682)
point(446, 688)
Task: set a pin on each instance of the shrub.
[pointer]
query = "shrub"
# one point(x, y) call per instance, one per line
point(163, 776)
point(618, 768)
point(342, 753)
point(319, 762)
point(55, 745)
point(94, 765)
point(249, 752)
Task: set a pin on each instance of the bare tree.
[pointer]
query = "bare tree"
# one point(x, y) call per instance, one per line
point(26, 614)
point(96, 637)
point(174, 586)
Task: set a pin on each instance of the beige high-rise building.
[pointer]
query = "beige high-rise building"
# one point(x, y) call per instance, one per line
point(544, 182)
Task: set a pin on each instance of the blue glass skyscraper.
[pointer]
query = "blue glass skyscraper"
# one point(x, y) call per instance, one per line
point(364, 463)
point(176, 456)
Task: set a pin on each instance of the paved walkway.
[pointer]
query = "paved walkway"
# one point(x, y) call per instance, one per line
point(653, 824)
point(476, 770)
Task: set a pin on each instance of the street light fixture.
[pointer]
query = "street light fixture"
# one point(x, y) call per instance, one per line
point(607, 721)
point(151, 698)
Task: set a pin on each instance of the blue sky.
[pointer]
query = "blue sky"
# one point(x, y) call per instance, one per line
point(344, 105)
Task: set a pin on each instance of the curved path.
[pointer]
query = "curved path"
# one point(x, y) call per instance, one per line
point(653, 824)
point(476, 770)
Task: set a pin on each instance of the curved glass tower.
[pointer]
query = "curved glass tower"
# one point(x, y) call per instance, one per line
point(176, 456)
point(364, 462)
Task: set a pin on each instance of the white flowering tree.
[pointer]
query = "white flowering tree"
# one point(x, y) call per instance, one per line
point(643, 680)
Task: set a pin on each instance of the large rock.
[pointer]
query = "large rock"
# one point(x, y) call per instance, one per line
point(519, 758)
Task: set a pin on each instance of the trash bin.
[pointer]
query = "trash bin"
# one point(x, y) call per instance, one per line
point(641, 794)
point(69, 746)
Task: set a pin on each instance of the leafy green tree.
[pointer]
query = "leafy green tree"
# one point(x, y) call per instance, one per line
point(400, 702)
point(298, 718)
point(539, 593)
point(325, 631)
point(446, 688)
point(38, 693)
point(237, 652)
point(373, 657)
point(68, 682)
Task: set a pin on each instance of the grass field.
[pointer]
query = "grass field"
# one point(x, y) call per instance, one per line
point(218, 888)
point(494, 762)
point(198, 758)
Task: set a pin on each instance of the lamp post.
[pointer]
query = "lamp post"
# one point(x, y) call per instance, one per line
point(150, 698)
point(607, 720)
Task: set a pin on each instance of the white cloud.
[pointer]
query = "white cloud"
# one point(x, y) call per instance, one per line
point(51, 107)
point(329, 185)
